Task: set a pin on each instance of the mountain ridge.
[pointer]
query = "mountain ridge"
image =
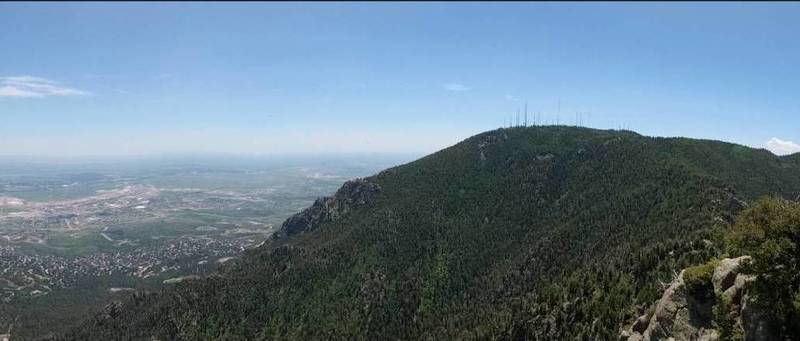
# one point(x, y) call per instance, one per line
point(515, 232)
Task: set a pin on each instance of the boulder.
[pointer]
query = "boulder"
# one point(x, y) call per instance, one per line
point(726, 272)
point(635, 337)
point(708, 335)
point(641, 324)
point(735, 291)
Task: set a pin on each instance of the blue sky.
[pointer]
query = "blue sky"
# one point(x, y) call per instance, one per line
point(120, 79)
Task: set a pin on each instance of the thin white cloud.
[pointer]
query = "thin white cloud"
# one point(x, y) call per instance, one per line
point(781, 147)
point(455, 87)
point(13, 91)
point(511, 97)
point(33, 87)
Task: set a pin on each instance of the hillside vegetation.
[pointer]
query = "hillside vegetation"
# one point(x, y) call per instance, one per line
point(538, 233)
point(770, 232)
point(753, 295)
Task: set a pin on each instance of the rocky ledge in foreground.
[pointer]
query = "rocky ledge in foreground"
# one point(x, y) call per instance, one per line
point(707, 302)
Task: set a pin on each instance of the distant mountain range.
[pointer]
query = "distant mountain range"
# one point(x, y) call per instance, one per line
point(525, 233)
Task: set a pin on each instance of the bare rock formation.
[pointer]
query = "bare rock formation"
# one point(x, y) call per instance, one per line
point(351, 195)
point(685, 313)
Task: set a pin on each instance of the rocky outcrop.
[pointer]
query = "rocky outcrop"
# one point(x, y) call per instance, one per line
point(490, 140)
point(726, 271)
point(682, 314)
point(351, 195)
point(727, 279)
point(679, 315)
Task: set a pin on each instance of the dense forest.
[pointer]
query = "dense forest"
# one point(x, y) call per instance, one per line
point(524, 233)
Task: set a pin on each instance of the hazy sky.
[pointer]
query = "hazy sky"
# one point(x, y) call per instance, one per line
point(83, 79)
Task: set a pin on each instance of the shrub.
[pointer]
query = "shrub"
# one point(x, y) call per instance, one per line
point(769, 231)
point(725, 319)
point(698, 278)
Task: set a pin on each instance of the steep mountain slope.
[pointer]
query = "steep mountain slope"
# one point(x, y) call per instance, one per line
point(543, 232)
point(795, 158)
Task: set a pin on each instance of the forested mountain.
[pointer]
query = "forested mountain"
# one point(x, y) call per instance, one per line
point(538, 233)
point(793, 158)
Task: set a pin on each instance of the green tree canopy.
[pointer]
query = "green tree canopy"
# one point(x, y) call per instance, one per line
point(769, 231)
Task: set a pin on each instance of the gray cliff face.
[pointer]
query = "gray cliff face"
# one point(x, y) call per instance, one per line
point(683, 315)
point(352, 194)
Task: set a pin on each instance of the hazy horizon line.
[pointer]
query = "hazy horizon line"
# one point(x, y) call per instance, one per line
point(201, 155)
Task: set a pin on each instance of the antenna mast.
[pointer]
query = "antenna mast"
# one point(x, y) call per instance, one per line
point(558, 114)
point(526, 114)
